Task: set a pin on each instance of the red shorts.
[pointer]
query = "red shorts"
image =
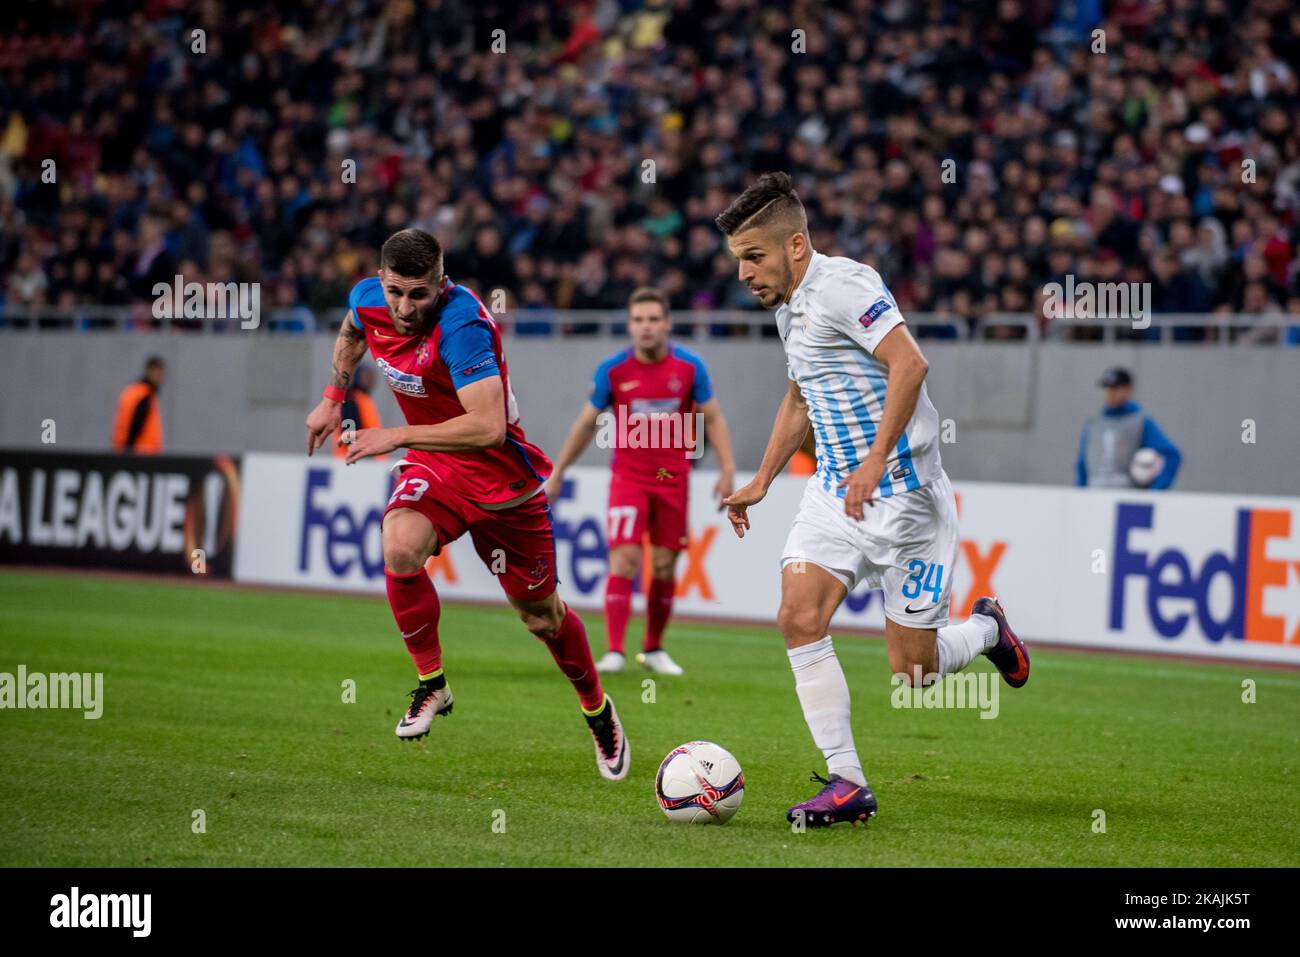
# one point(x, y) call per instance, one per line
point(516, 544)
point(638, 507)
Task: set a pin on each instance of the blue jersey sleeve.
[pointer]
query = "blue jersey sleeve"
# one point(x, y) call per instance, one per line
point(601, 396)
point(365, 293)
point(1081, 464)
point(1154, 438)
point(703, 391)
point(466, 344)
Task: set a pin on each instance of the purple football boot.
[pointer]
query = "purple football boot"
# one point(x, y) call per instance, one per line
point(838, 800)
point(1009, 655)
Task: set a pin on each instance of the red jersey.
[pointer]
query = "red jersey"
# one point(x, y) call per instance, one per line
point(424, 372)
point(653, 405)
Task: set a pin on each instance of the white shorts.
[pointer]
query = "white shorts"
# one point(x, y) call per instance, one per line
point(906, 545)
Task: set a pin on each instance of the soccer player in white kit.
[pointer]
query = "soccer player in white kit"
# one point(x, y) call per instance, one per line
point(879, 508)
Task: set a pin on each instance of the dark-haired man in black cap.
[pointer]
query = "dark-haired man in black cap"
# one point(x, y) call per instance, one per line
point(1112, 440)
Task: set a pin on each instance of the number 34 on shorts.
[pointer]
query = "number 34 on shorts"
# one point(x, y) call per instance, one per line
point(923, 577)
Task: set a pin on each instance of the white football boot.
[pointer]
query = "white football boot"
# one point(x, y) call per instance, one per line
point(611, 663)
point(659, 662)
point(425, 706)
point(613, 753)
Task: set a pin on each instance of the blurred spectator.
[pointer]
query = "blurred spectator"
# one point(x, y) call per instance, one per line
point(138, 427)
point(972, 152)
point(1111, 439)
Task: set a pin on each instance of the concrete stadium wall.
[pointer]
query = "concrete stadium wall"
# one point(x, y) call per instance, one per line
point(1017, 409)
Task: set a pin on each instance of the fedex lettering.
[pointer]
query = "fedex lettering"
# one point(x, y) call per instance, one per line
point(1175, 590)
point(336, 533)
point(588, 553)
point(586, 542)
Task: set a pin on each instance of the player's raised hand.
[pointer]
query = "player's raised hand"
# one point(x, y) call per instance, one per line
point(368, 442)
point(860, 484)
point(323, 422)
point(738, 503)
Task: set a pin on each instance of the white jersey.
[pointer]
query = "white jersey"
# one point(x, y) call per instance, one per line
point(831, 326)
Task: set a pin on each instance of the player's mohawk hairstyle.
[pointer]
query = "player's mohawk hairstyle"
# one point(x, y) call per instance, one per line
point(412, 253)
point(770, 200)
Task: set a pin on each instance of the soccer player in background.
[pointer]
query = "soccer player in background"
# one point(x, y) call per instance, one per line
point(468, 468)
point(879, 508)
point(649, 487)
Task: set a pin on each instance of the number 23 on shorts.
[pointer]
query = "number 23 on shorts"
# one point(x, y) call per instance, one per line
point(417, 486)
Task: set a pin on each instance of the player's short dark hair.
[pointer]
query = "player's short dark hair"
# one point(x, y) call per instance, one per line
point(648, 294)
point(412, 253)
point(154, 362)
point(769, 200)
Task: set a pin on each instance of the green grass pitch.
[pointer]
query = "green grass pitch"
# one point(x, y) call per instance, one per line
point(230, 701)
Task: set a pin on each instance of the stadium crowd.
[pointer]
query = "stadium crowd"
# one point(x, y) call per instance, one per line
point(567, 153)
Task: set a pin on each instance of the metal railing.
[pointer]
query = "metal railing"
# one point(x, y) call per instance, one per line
point(1190, 328)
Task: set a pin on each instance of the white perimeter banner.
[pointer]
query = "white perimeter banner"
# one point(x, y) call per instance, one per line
point(1201, 574)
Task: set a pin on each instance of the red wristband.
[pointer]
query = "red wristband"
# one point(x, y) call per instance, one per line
point(335, 394)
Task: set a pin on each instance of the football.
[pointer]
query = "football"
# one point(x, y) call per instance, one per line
point(700, 783)
point(1145, 465)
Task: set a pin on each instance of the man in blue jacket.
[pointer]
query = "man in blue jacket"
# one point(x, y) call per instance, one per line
point(1111, 439)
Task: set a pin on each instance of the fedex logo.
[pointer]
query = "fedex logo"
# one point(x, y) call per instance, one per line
point(585, 542)
point(1262, 586)
point(334, 531)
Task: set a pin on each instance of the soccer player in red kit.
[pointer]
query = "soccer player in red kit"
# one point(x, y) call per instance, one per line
point(649, 483)
point(468, 468)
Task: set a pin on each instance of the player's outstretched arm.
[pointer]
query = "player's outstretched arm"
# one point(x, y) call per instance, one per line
point(719, 436)
point(349, 347)
point(907, 370)
point(481, 426)
point(788, 430)
point(584, 427)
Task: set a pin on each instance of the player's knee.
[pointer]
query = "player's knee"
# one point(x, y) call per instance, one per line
point(663, 566)
point(800, 622)
point(403, 557)
point(625, 563)
point(915, 672)
point(542, 619)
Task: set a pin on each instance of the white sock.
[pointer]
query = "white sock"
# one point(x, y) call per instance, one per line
point(824, 695)
point(959, 644)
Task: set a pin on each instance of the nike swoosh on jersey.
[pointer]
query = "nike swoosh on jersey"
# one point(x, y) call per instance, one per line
point(624, 386)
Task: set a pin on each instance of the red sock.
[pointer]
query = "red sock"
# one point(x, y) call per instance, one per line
point(416, 608)
point(569, 648)
point(659, 608)
point(618, 609)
